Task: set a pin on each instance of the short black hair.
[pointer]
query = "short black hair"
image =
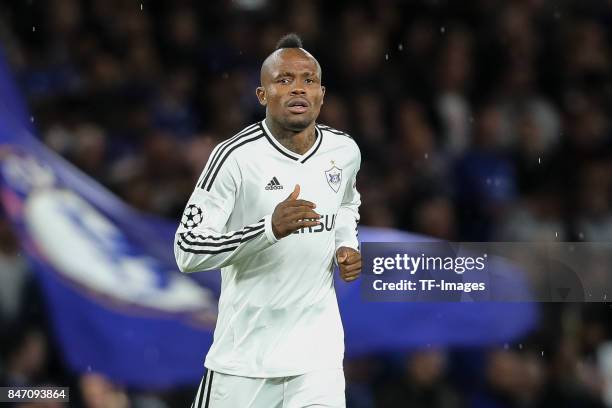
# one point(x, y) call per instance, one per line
point(291, 40)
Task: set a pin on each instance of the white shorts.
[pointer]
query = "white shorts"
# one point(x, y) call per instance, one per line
point(321, 389)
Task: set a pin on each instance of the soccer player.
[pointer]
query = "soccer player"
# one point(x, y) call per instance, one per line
point(275, 207)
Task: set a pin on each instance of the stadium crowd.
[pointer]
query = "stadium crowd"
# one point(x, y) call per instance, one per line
point(485, 120)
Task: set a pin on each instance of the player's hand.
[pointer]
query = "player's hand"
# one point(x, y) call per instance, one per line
point(292, 214)
point(349, 262)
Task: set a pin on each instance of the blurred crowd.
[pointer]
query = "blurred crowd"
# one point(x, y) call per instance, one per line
point(483, 120)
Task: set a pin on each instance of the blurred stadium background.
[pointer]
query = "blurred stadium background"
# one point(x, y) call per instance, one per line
point(482, 120)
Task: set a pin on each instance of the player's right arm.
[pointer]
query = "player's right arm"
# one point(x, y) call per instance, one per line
point(202, 241)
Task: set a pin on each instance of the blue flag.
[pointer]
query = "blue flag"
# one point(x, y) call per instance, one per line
point(118, 304)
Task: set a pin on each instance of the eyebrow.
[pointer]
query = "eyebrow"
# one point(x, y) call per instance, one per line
point(288, 73)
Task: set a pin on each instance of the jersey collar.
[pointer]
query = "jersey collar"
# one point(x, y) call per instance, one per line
point(288, 153)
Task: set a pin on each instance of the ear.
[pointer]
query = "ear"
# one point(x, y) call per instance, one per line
point(323, 94)
point(261, 95)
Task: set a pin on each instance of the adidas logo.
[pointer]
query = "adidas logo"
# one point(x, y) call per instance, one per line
point(274, 184)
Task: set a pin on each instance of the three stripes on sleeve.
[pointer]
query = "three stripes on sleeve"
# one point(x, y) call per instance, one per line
point(212, 243)
point(223, 151)
point(216, 244)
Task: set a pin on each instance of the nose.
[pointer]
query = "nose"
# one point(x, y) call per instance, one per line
point(298, 90)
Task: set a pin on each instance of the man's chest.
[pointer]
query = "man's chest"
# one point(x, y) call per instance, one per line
point(322, 180)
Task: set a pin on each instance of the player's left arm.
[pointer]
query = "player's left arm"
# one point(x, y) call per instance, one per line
point(348, 256)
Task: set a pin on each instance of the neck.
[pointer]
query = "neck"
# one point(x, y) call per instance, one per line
point(298, 142)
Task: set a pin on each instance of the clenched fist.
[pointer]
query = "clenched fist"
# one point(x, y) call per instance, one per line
point(349, 262)
point(292, 214)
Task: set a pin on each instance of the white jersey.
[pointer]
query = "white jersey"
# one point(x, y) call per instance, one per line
point(278, 313)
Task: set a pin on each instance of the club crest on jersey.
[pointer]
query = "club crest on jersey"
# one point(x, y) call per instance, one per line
point(334, 178)
point(192, 217)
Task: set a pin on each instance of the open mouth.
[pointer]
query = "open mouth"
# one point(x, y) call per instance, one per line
point(298, 106)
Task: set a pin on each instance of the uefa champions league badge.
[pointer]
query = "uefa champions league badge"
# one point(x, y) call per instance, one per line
point(192, 217)
point(334, 177)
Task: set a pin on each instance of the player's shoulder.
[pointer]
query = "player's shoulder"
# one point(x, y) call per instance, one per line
point(228, 153)
point(242, 140)
point(339, 137)
point(225, 158)
point(328, 129)
point(253, 131)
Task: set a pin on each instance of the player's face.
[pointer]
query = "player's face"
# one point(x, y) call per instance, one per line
point(292, 91)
